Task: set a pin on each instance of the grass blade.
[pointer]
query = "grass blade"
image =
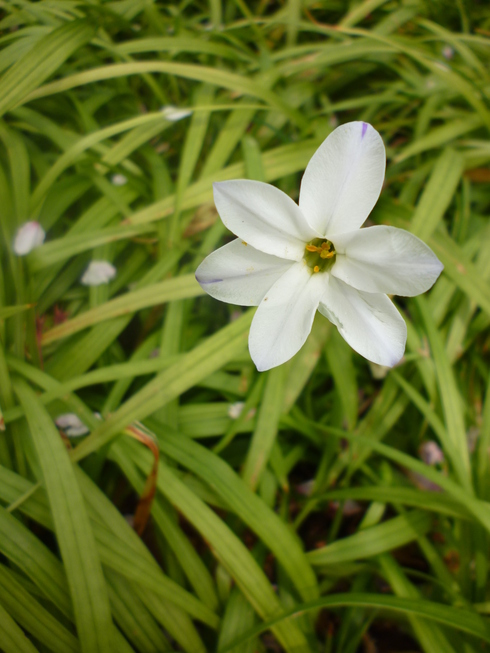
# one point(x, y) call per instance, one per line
point(41, 62)
point(75, 537)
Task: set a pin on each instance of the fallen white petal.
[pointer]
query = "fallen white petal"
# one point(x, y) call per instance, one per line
point(28, 237)
point(343, 179)
point(119, 180)
point(97, 273)
point(447, 52)
point(235, 410)
point(239, 274)
point(71, 425)
point(369, 323)
point(385, 260)
point(264, 217)
point(174, 114)
point(431, 453)
point(285, 316)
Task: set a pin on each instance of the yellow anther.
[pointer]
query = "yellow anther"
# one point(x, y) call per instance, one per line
point(319, 255)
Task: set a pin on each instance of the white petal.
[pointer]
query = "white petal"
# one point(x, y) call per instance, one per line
point(368, 322)
point(28, 237)
point(174, 114)
point(431, 453)
point(97, 273)
point(284, 318)
point(119, 180)
point(236, 409)
point(239, 274)
point(343, 179)
point(385, 260)
point(263, 216)
point(71, 424)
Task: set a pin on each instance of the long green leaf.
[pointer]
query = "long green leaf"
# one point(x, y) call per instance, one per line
point(34, 617)
point(437, 194)
point(194, 366)
point(74, 534)
point(464, 620)
point(120, 549)
point(220, 78)
point(12, 638)
point(370, 541)
point(159, 293)
point(43, 60)
point(456, 446)
point(271, 530)
point(226, 546)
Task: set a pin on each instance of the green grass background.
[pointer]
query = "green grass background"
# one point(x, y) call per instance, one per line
point(303, 525)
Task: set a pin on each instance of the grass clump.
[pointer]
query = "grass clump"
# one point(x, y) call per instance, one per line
point(324, 505)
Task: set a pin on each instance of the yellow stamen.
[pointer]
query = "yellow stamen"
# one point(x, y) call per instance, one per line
point(319, 255)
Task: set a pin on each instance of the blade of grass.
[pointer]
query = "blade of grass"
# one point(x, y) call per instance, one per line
point(220, 78)
point(12, 638)
point(371, 541)
point(74, 534)
point(169, 290)
point(30, 614)
point(464, 620)
point(47, 55)
point(207, 357)
point(271, 529)
point(455, 442)
point(266, 428)
point(438, 194)
point(431, 637)
point(226, 546)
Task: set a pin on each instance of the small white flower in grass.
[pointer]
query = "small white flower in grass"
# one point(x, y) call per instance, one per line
point(292, 260)
point(447, 52)
point(174, 114)
point(97, 273)
point(71, 425)
point(235, 410)
point(119, 180)
point(431, 453)
point(28, 237)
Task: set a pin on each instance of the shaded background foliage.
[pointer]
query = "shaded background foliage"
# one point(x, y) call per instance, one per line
point(304, 519)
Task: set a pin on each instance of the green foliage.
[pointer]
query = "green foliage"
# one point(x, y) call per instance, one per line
point(291, 508)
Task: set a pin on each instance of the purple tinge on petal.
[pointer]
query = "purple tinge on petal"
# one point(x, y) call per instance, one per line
point(203, 282)
point(364, 129)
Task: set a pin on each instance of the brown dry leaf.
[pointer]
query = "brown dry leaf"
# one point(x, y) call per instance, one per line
point(138, 432)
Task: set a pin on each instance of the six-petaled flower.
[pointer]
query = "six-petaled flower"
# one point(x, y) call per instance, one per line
point(292, 259)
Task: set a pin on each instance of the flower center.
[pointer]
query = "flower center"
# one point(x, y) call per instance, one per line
point(320, 255)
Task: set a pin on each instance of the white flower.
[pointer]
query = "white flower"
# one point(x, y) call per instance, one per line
point(118, 180)
point(28, 237)
point(431, 453)
point(97, 273)
point(292, 260)
point(174, 114)
point(235, 410)
point(447, 52)
point(71, 425)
